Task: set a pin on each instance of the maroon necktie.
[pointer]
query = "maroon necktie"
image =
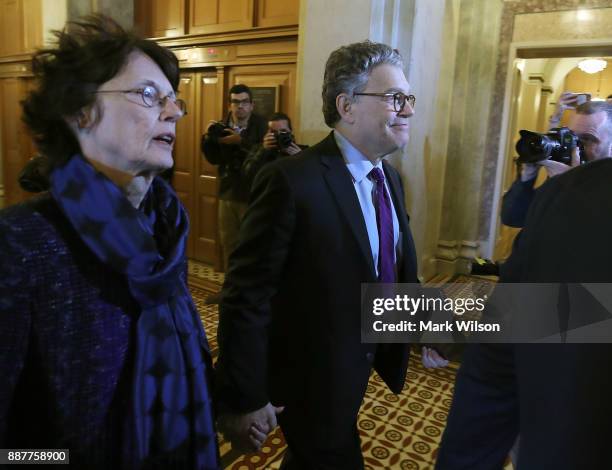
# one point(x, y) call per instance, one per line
point(384, 222)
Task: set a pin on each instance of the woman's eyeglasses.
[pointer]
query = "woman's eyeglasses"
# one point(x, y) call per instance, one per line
point(151, 97)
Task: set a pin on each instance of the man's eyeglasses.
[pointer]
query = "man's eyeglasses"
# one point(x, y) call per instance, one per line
point(241, 102)
point(151, 97)
point(399, 99)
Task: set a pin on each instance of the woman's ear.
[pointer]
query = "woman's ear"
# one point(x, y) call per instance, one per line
point(85, 118)
point(82, 120)
point(344, 105)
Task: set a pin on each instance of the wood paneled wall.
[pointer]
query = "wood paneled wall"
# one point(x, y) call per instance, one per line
point(20, 26)
point(17, 147)
point(171, 18)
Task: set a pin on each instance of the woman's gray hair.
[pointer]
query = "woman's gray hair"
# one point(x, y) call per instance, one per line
point(348, 69)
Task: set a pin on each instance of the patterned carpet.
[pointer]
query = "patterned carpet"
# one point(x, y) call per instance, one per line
point(397, 431)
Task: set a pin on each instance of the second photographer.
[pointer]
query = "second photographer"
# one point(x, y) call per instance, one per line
point(277, 143)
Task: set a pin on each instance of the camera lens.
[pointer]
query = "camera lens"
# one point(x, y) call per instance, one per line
point(533, 147)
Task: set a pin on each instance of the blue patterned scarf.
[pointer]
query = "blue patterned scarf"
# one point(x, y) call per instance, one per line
point(171, 413)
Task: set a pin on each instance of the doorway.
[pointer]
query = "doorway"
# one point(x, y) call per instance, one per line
point(538, 77)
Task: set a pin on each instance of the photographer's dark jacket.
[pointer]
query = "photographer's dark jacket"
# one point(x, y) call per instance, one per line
point(230, 158)
point(257, 158)
point(516, 202)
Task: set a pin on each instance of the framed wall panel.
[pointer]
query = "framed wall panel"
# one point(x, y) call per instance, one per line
point(219, 16)
point(277, 12)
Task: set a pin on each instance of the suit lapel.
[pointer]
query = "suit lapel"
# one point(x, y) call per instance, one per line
point(340, 183)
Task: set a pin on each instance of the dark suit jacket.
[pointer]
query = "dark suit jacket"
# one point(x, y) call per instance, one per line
point(556, 396)
point(289, 329)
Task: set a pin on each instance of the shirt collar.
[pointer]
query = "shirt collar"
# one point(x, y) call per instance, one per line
point(356, 162)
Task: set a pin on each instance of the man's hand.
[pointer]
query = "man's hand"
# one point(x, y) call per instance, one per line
point(556, 168)
point(269, 141)
point(292, 149)
point(567, 100)
point(432, 359)
point(232, 138)
point(247, 432)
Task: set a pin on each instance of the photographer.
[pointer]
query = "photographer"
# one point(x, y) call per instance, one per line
point(277, 143)
point(228, 147)
point(592, 124)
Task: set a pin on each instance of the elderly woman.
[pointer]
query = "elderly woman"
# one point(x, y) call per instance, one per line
point(102, 351)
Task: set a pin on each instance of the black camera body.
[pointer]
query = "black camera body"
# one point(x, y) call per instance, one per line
point(557, 144)
point(284, 138)
point(218, 130)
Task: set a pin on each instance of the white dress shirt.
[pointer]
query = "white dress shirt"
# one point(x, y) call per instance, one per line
point(359, 167)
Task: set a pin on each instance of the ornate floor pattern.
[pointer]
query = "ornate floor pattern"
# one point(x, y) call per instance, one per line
point(464, 286)
point(205, 272)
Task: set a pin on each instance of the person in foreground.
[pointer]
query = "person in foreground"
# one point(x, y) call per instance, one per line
point(103, 352)
point(556, 396)
point(318, 226)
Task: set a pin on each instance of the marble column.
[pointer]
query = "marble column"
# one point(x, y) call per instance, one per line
point(530, 101)
point(543, 114)
point(424, 166)
point(473, 82)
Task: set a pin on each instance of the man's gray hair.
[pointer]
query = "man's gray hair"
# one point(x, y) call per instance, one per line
point(593, 107)
point(348, 69)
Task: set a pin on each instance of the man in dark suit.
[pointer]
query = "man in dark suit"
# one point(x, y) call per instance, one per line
point(318, 226)
point(556, 397)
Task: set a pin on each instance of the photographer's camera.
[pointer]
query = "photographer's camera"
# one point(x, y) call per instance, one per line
point(218, 130)
point(557, 144)
point(284, 138)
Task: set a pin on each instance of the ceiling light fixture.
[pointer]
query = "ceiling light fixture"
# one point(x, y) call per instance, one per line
point(592, 65)
point(583, 15)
